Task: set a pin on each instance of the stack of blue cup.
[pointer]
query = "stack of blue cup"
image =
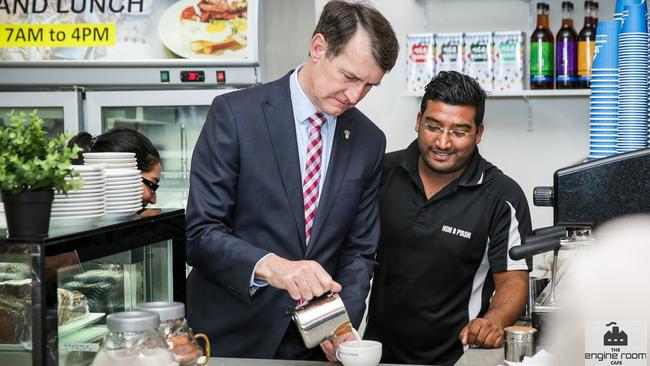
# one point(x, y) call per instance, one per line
point(648, 25)
point(633, 80)
point(620, 7)
point(603, 111)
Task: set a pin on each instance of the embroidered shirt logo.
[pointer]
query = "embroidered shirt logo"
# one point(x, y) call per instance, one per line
point(455, 231)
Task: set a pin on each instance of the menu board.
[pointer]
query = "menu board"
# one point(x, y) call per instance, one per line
point(223, 31)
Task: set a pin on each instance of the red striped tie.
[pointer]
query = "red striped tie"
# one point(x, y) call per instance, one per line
point(312, 172)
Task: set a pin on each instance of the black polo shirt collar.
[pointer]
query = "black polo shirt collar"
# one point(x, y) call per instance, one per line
point(473, 175)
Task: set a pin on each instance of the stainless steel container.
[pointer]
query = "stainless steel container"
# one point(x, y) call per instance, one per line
point(321, 318)
point(519, 342)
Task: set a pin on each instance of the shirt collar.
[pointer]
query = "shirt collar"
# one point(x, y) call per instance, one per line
point(473, 175)
point(302, 106)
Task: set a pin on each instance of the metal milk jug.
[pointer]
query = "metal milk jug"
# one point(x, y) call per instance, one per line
point(321, 318)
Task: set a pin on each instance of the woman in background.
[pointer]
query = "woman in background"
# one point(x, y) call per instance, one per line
point(122, 139)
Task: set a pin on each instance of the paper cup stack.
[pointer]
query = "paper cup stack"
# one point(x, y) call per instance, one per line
point(123, 181)
point(85, 203)
point(603, 112)
point(633, 80)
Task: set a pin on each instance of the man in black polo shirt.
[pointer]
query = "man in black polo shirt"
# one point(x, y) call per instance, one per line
point(448, 218)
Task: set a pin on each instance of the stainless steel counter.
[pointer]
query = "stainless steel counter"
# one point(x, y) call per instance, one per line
point(473, 357)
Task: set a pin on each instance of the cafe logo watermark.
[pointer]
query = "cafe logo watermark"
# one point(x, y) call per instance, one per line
point(616, 343)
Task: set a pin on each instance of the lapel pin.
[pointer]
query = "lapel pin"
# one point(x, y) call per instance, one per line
point(347, 134)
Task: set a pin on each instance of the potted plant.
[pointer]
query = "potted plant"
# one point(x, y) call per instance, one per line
point(32, 167)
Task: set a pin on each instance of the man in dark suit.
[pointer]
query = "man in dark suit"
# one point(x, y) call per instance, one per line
point(282, 204)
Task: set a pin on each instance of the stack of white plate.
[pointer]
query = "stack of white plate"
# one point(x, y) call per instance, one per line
point(111, 160)
point(123, 181)
point(123, 192)
point(88, 202)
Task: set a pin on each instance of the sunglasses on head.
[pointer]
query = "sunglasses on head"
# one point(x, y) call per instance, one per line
point(152, 185)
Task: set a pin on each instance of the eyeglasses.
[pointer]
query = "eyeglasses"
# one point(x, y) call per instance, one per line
point(152, 186)
point(438, 131)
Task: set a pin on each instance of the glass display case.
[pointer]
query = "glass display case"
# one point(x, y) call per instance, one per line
point(55, 292)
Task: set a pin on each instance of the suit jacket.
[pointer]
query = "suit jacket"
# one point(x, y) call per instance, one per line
point(246, 201)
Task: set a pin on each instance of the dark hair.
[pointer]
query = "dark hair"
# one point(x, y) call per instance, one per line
point(340, 20)
point(454, 88)
point(119, 139)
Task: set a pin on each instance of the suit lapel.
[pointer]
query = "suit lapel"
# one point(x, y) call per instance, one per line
point(338, 165)
point(278, 114)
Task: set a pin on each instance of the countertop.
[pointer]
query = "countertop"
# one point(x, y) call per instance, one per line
point(473, 357)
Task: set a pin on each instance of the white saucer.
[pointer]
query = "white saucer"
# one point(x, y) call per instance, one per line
point(68, 199)
point(127, 204)
point(128, 187)
point(116, 166)
point(86, 169)
point(122, 173)
point(90, 161)
point(78, 213)
point(133, 206)
point(113, 190)
point(109, 155)
point(124, 180)
point(85, 191)
point(93, 178)
point(78, 205)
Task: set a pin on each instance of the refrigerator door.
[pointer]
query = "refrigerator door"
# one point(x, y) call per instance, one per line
point(60, 110)
point(171, 119)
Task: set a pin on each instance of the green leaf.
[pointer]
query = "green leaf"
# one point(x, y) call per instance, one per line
point(30, 161)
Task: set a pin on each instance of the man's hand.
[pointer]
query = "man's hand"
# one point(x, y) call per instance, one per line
point(329, 347)
point(482, 332)
point(302, 279)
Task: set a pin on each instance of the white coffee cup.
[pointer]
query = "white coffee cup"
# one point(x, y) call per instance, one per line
point(359, 353)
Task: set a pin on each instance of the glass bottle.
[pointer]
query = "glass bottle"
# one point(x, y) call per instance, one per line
point(595, 13)
point(541, 51)
point(566, 47)
point(586, 42)
point(133, 339)
point(177, 334)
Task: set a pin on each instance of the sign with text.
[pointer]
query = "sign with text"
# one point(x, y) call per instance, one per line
point(616, 343)
point(41, 30)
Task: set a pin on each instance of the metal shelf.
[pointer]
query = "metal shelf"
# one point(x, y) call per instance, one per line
point(525, 93)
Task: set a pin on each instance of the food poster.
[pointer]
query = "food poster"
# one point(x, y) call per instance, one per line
point(42, 30)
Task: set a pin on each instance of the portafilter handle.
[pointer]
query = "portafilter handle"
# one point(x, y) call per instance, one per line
point(534, 247)
point(549, 230)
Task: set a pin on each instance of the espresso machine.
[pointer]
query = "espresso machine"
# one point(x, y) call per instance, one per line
point(583, 196)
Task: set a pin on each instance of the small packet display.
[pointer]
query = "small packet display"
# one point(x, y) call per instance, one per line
point(420, 63)
point(449, 52)
point(509, 60)
point(477, 60)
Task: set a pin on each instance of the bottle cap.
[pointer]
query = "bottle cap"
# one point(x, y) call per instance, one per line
point(166, 310)
point(132, 321)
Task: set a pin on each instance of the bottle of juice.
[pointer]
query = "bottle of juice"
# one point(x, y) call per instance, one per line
point(586, 39)
point(566, 46)
point(541, 51)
